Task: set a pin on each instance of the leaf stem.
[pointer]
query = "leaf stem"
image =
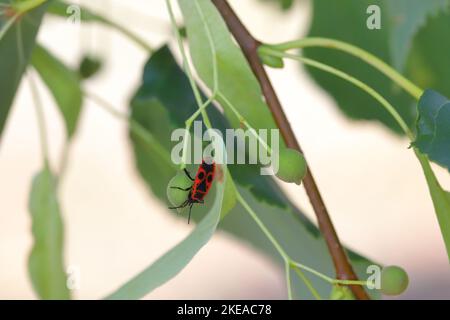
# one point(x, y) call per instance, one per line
point(64, 161)
point(126, 32)
point(188, 124)
point(135, 126)
point(287, 271)
point(324, 67)
point(371, 59)
point(264, 229)
point(216, 91)
point(40, 119)
point(308, 283)
point(327, 278)
point(7, 25)
point(187, 69)
point(92, 16)
point(245, 123)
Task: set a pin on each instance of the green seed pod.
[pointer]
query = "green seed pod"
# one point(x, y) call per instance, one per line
point(176, 196)
point(394, 280)
point(271, 61)
point(89, 66)
point(339, 292)
point(292, 166)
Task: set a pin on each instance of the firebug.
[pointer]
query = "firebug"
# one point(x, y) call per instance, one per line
point(200, 187)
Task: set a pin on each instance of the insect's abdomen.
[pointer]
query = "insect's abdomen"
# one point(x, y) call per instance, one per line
point(203, 181)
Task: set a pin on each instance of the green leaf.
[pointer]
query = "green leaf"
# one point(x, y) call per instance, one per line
point(428, 64)
point(173, 261)
point(406, 18)
point(15, 50)
point(162, 77)
point(441, 200)
point(63, 83)
point(46, 266)
point(433, 127)
point(346, 20)
point(209, 37)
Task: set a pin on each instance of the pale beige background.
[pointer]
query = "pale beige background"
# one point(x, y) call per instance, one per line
point(371, 182)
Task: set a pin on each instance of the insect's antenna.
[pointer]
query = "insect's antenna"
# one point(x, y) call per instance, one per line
point(190, 208)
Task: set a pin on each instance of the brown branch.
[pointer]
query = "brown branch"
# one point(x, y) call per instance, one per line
point(249, 46)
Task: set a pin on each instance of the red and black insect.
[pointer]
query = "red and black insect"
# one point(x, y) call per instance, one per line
point(200, 187)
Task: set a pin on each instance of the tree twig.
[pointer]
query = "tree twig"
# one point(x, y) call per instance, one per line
point(249, 46)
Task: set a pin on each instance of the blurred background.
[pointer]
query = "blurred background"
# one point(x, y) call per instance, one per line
point(371, 183)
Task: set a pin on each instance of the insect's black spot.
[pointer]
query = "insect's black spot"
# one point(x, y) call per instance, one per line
point(202, 186)
point(209, 178)
point(201, 175)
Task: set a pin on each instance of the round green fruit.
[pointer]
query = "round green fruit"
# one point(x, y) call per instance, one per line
point(341, 293)
point(394, 280)
point(292, 166)
point(176, 196)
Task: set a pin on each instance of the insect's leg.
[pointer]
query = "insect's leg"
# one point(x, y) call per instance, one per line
point(190, 208)
point(184, 204)
point(188, 174)
point(178, 188)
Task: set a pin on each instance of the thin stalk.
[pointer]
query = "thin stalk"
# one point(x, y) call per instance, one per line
point(264, 229)
point(7, 25)
point(126, 32)
point(135, 126)
point(389, 108)
point(245, 123)
point(188, 125)
point(287, 271)
point(369, 58)
point(187, 69)
point(308, 283)
point(63, 164)
point(289, 261)
point(327, 278)
point(40, 120)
